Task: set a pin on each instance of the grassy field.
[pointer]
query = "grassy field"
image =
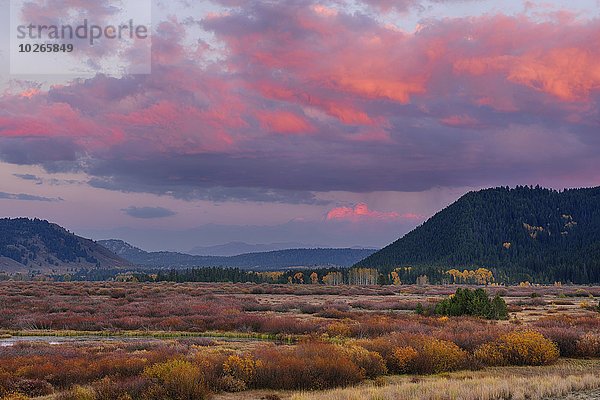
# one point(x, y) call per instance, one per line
point(245, 341)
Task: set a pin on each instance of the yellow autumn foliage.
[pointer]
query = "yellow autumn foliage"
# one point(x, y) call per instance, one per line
point(481, 276)
point(525, 347)
point(242, 368)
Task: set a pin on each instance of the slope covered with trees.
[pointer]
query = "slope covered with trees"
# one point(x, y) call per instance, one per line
point(520, 234)
point(28, 245)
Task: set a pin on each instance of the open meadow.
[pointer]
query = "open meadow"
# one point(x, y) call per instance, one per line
point(116, 340)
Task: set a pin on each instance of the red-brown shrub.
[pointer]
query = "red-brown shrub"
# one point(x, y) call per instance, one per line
point(34, 387)
point(565, 338)
point(589, 346)
point(306, 366)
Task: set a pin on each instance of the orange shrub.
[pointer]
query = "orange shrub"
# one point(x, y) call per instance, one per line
point(383, 346)
point(437, 356)
point(371, 364)
point(525, 347)
point(403, 360)
point(312, 365)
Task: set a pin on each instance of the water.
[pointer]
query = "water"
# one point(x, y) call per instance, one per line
point(55, 340)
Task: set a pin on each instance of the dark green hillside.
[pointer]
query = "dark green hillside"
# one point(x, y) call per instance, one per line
point(521, 234)
point(35, 245)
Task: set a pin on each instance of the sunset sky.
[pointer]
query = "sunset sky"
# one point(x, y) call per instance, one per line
point(323, 123)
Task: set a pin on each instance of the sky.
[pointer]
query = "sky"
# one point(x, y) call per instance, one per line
point(320, 122)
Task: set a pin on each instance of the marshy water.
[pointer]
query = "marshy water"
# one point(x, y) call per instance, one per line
point(56, 340)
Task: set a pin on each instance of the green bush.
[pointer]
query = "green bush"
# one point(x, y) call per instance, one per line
point(474, 303)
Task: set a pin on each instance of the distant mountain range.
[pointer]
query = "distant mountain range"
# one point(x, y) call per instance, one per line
point(521, 234)
point(279, 259)
point(35, 245)
point(237, 248)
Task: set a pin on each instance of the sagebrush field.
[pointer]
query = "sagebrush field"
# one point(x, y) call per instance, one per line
point(148, 341)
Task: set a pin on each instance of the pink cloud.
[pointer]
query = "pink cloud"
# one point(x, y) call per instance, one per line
point(385, 109)
point(284, 122)
point(361, 211)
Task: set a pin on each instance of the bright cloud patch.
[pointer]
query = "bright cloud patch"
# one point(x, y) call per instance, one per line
point(362, 211)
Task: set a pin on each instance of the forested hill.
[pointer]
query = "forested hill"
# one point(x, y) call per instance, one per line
point(266, 260)
point(520, 234)
point(28, 245)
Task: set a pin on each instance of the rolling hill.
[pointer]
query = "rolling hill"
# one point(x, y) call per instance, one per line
point(28, 245)
point(264, 260)
point(520, 234)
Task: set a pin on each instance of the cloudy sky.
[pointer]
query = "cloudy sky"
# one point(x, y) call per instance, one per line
point(323, 122)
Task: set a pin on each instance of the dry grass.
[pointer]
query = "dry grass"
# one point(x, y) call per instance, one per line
point(493, 383)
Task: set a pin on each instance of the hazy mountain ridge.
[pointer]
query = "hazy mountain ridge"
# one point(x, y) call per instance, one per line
point(521, 233)
point(237, 248)
point(265, 260)
point(37, 245)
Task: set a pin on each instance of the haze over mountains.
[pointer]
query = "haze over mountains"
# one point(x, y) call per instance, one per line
point(289, 258)
point(521, 234)
point(236, 248)
point(303, 234)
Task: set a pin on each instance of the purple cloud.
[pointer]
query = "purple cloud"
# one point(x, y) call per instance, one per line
point(148, 212)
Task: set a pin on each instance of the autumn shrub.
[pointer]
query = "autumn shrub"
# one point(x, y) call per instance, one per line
point(6, 382)
point(469, 333)
point(211, 363)
point(242, 369)
point(382, 346)
point(339, 329)
point(179, 380)
point(14, 396)
point(57, 371)
point(370, 363)
point(435, 356)
point(77, 393)
point(409, 353)
point(524, 347)
point(308, 308)
point(333, 313)
point(34, 387)
point(403, 359)
point(311, 365)
point(588, 346)
point(565, 338)
point(120, 366)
